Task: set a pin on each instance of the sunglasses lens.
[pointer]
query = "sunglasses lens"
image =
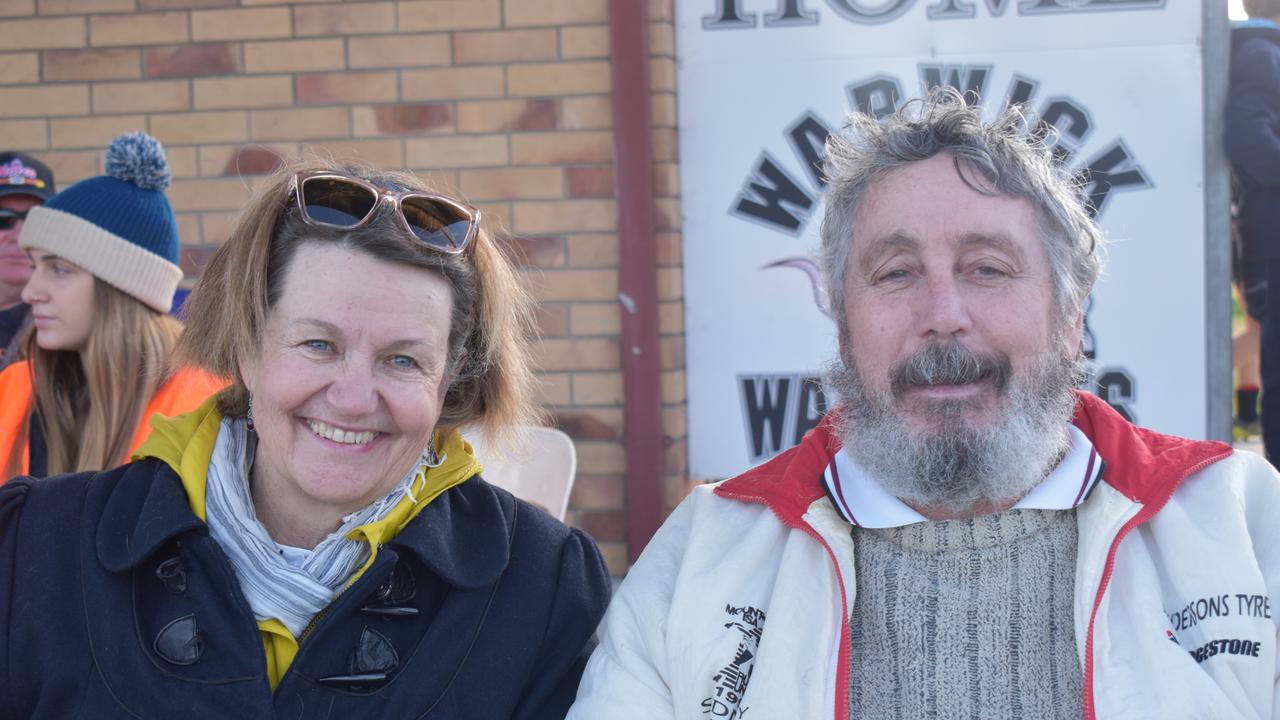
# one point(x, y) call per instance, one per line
point(436, 223)
point(337, 202)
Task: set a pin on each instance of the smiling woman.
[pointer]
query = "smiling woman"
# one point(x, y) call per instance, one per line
point(318, 535)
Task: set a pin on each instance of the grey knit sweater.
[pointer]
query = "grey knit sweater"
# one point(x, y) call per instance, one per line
point(967, 619)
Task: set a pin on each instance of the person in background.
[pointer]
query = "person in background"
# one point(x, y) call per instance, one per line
point(317, 539)
point(1251, 139)
point(965, 534)
point(24, 183)
point(103, 260)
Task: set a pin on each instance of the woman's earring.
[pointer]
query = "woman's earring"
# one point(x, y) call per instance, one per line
point(431, 458)
point(248, 416)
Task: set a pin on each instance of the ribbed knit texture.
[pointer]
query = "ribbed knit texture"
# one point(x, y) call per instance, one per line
point(967, 619)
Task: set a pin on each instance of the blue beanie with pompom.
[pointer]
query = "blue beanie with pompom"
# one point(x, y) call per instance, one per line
point(118, 226)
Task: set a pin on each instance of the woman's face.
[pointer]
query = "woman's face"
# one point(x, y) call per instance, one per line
point(61, 297)
point(349, 380)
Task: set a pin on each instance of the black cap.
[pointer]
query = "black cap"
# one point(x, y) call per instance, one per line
point(21, 174)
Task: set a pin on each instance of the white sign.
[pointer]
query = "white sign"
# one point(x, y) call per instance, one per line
point(762, 82)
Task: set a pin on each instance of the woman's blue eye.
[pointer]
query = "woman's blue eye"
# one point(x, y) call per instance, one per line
point(404, 362)
point(318, 345)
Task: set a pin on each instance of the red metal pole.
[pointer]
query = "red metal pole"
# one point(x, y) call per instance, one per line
point(643, 438)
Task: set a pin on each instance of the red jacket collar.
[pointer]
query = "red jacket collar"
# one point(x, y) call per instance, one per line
point(1145, 466)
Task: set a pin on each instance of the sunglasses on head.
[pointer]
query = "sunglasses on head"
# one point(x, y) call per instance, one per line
point(10, 218)
point(340, 201)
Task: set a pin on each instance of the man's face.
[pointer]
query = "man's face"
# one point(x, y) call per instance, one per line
point(957, 368)
point(936, 263)
point(15, 266)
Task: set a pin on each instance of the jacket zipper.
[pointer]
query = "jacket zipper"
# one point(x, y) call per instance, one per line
point(1109, 566)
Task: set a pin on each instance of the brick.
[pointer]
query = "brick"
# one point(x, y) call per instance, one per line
point(547, 216)
point(601, 458)
point(577, 285)
point(17, 8)
point(184, 4)
point(593, 250)
point(661, 10)
point(676, 457)
point(378, 153)
point(551, 320)
point(561, 147)
point(462, 151)
point(552, 389)
point(598, 492)
point(662, 74)
point(183, 161)
point(598, 388)
point(662, 39)
point(584, 42)
point(240, 24)
point(666, 214)
point(504, 46)
point(84, 7)
point(243, 92)
point(207, 194)
point(26, 134)
point(190, 60)
point(217, 226)
point(293, 56)
point(586, 113)
point(188, 233)
point(402, 119)
point(451, 83)
point(507, 115)
point(530, 250)
point(673, 387)
point(345, 19)
point(662, 110)
point(44, 100)
point(300, 123)
point(593, 424)
point(399, 51)
point(666, 144)
point(44, 33)
point(671, 352)
point(240, 160)
point(513, 183)
point(666, 179)
point(671, 317)
point(615, 558)
point(284, 2)
point(346, 88)
point(497, 216)
point(145, 96)
point(449, 15)
point(675, 421)
point(596, 318)
point(162, 28)
point(594, 181)
point(19, 68)
point(562, 78)
point(577, 354)
point(71, 166)
point(109, 64)
point(556, 12)
point(200, 127)
point(670, 283)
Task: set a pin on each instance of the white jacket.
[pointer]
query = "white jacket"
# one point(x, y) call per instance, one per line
point(739, 607)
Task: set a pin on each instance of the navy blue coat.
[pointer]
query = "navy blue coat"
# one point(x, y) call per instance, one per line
point(115, 602)
point(1252, 134)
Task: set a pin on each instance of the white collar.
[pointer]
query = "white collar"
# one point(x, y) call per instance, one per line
point(865, 503)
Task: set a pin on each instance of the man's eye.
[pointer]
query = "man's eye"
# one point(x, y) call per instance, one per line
point(990, 271)
point(891, 275)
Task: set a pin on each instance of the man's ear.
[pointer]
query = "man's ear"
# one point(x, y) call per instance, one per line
point(1075, 331)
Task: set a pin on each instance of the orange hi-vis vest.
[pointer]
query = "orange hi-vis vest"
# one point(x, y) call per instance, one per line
point(185, 390)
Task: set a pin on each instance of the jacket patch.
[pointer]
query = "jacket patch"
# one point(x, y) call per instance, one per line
point(731, 682)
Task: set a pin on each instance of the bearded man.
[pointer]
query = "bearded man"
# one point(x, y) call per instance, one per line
point(965, 535)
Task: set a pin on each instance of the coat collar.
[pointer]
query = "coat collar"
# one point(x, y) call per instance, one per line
point(1144, 465)
point(463, 536)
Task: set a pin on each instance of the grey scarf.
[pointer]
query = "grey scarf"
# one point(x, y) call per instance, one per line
point(273, 587)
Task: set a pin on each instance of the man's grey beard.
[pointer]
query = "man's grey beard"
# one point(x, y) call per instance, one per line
point(955, 465)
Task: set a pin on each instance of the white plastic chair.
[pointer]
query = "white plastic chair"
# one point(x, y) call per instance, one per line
point(540, 470)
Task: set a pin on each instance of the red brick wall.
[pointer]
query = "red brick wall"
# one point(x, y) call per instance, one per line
point(504, 101)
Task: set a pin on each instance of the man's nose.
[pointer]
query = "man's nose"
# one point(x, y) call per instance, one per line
point(945, 310)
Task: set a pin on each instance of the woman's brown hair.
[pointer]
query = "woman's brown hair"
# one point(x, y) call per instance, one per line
point(489, 376)
point(91, 402)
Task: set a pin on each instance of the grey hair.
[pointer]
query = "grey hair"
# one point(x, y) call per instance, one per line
point(1010, 160)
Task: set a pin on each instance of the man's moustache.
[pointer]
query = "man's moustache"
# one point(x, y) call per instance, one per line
point(949, 364)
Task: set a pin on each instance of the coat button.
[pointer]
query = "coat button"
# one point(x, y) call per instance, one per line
point(179, 642)
point(173, 573)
